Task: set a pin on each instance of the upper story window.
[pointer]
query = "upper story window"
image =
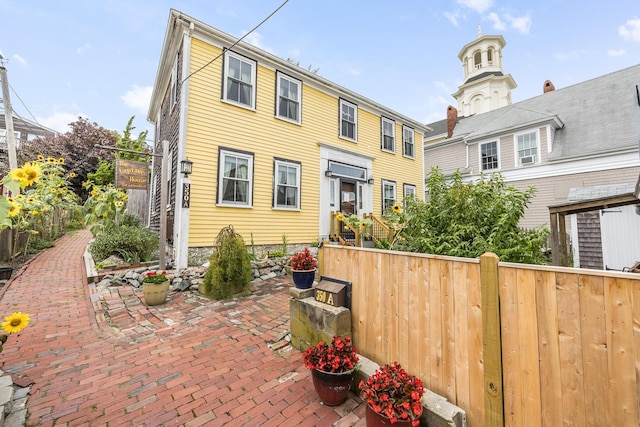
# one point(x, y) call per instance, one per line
point(239, 86)
point(235, 178)
point(388, 135)
point(286, 192)
point(408, 146)
point(477, 60)
point(348, 120)
point(489, 156)
point(289, 98)
point(388, 195)
point(527, 148)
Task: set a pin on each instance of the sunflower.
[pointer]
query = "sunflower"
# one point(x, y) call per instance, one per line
point(94, 192)
point(363, 225)
point(396, 208)
point(51, 160)
point(340, 216)
point(31, 200)
point(10, 199)
point(53, 190)
point(20, 197)
point(15, 323)
point(32, 171)
point(20, 175)
point(61, 161)
point(40, 158)
point(14, 209)
point(119, 204)
point(72, 175)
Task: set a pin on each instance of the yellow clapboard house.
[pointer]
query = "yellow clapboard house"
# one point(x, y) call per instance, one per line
point(275, 148)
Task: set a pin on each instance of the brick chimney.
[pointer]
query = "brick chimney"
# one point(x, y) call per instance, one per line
point(548, 86)
point(452, 119)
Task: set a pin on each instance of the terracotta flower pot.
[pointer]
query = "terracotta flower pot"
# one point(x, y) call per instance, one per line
point(375, 419)
point(332, 387)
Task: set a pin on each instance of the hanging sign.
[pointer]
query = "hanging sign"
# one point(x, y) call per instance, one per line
point(132, 175)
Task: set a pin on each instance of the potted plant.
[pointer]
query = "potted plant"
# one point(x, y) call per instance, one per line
point(303, 269)
point(392, 396)
point(332, 369)
point(155, 287)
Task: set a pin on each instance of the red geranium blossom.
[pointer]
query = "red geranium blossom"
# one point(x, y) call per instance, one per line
point(340, 356)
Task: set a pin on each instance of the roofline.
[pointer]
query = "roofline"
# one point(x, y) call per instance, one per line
point(503, 43)
point(465, 85)
point(179, 20)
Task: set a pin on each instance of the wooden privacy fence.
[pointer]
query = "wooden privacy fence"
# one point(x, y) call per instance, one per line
point(511, 344)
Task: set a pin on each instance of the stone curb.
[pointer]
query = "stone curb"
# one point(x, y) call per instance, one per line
point(437, 411)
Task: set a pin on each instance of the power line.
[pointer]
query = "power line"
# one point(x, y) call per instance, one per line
point(235, 43)
point(24, 105)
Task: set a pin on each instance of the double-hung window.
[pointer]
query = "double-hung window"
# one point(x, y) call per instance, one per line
point(288, 98)
point(286, 192)
point(388, 135)
point(239, 86)
point(388, 195)
point(408, 146)
point(527, 148)
point(348, 120)
point(489, 156)
point(409, 193)
point(235, 178)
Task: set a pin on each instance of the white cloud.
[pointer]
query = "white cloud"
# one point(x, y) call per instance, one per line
point(569, 56)
point(20, 59)
point(255, 39)
point(59, 121)
point(520, 23)
point(353, 71)
point(453, 17)
point(83, 49)
point(477, 5)
point(619, 52)
point(630, 31)
point(138, 98)
point(498, 24)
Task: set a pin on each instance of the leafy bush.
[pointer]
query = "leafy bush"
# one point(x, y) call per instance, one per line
point(229, 269)
point(132, 244)
point(129, 220)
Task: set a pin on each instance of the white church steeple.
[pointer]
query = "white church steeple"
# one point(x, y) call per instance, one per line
point(485, 85)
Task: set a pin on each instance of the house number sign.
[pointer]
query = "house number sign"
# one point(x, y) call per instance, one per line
point(186, 195)
point(330, 293)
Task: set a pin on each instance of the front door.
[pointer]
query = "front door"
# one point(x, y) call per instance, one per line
point(348, 197)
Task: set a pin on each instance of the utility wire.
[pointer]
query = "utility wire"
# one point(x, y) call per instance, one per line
point(235, 43)
point(24, 105)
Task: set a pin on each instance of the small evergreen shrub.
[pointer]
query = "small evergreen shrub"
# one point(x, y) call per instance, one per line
point(129, 220)
point(133, 244)
point(229, 271)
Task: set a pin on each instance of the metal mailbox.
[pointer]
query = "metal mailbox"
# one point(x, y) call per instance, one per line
point(333, 292)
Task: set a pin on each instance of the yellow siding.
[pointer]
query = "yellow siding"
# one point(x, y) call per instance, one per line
point(212, 124)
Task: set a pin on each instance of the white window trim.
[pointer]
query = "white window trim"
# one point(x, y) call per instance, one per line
point(355, 118)
point(515, 148)
point(413, 141)
point(225, 80)
point(395, 192)
point(393, 135)
point(173, 97)
point(275, 186)
point(280, 76)
point(409, 186)
point(169, 173)
point(480, 144)
point(223, 154)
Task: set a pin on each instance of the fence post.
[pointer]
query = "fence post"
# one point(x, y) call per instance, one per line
point(321, 259)
point(491, 341)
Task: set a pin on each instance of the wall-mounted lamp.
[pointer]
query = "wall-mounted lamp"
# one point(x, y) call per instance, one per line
point(328, 173)
point(370, 181)
point(186, 167)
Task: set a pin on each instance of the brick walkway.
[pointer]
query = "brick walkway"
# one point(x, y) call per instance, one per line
point(101, 357)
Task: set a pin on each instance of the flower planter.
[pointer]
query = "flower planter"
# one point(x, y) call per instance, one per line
point(375, 419)
point(332, 387)
point(303, 279)
point(155, 293)
point(5, 273)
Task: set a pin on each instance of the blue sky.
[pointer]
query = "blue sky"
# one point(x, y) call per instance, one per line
point(98, 58)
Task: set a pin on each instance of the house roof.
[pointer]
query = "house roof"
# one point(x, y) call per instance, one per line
point(600, 191)
point(598, 116)
point(483, 75)
point(180, 24)
point(20, 124)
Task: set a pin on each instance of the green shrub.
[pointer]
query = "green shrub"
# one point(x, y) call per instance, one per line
point(129, 220)
point(229, 271)
point(132, 244)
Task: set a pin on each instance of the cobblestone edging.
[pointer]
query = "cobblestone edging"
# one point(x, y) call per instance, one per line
point(13, 402)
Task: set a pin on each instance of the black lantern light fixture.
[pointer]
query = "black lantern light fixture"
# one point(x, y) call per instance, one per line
point(186, 167)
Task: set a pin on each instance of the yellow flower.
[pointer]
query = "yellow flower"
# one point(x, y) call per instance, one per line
point(396, 208)
point(94, 192)
point(10, 199)
point(53, 189)
point(119, 204)
point(61, 161)
point(40, 157)
point(104, 215)
point(20, 175)
point(35, 212)
point(340, 216)
point(20, 197)
point(14, 209)
point(31, 199)
point(32, 171)
point(363, 225)
point(34, 232)
point(72, 175)
point(15, 323)
point(51, 160)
